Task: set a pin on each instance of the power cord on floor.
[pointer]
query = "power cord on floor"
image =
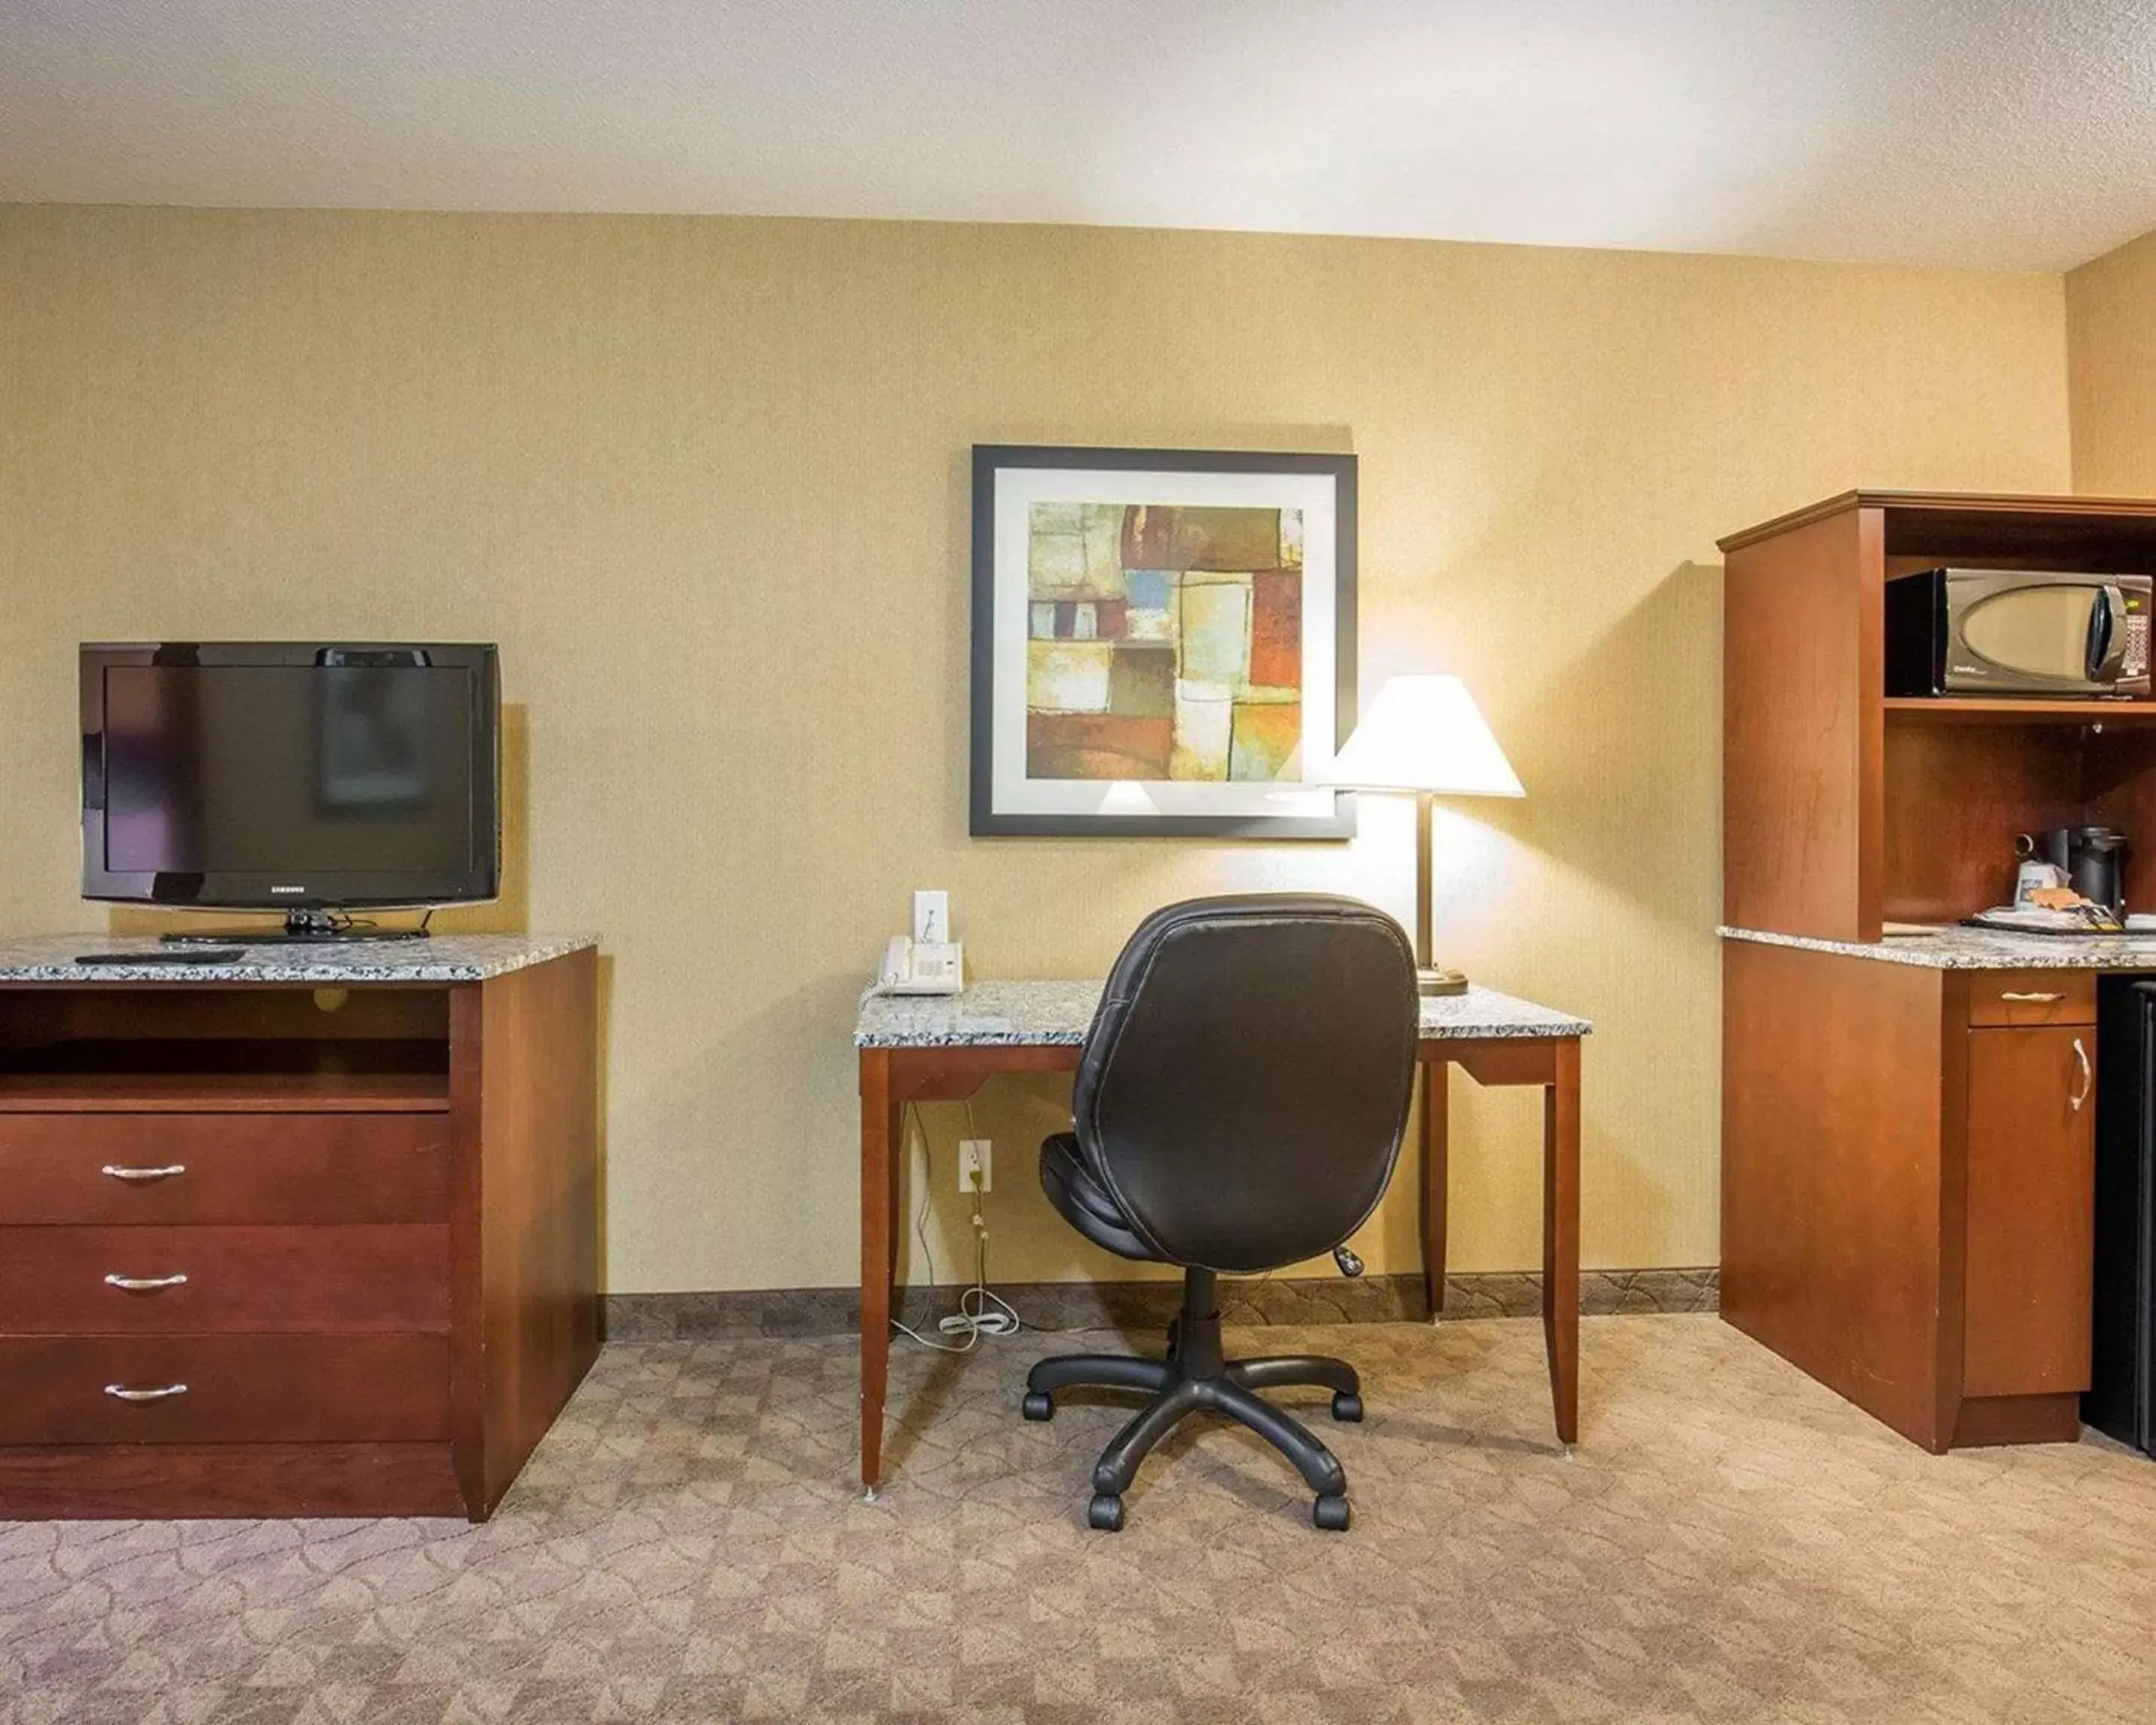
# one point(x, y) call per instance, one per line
point(981, 1312)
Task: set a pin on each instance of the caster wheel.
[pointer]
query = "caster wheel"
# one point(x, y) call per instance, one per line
point(1105, 1513)
point(1037, 1405)
point(1328, 1513)
point(1347, 1408)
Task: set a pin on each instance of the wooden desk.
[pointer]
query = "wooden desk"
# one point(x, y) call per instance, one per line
point(941, 1050)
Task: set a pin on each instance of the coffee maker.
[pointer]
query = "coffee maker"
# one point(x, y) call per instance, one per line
point(2093, 859)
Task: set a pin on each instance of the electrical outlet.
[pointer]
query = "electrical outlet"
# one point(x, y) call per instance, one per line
point(931, 917)
point(976, 1167)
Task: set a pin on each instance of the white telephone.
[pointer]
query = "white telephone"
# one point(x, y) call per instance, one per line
point(930, 962)
point(912, 967)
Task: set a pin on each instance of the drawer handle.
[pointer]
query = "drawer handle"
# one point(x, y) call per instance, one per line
point(2041, 999)
point(120, 1392)
point(114, 1171)
point(2088, 1077)
point(143, 1284)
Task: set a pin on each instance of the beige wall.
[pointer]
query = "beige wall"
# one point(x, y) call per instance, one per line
point(706, 482)
point(2111, 325)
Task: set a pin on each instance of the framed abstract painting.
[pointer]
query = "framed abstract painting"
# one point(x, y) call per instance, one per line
point(1164, 641)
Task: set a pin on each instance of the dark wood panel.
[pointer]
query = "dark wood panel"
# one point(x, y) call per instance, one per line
point(524, 1056)
point(1435, 1093)
point(1521, 1059)
point(1803, 636)
point(1561, 1237)
point(127, 1481)
point(331, 1280)
point(240, 1388)
point(1955, 798)
point(1941, 524)
point(881, 1148)
point(2031, 998)
point(924, 1075)
point(222, 1092)
point(2018, 1419)
point(1831, 1171)
point(233, 1168)
point(1951, 1222)
point(33, 1015)
point(2031, 1197)
point(2005, 539)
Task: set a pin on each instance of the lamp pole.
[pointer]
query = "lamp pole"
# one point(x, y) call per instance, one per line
point(1426, 806)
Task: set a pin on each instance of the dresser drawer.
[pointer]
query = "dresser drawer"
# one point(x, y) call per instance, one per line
point(237, 1389)
point(54, 1281)
point(224, 1167)
point(2032, 997)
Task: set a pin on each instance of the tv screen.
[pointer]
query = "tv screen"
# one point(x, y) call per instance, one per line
point(293, 777)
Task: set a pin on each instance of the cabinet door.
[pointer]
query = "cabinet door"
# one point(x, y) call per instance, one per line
point(2031, 1210)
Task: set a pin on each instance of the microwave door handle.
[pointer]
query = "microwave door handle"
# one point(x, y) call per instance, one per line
point(2107, 647)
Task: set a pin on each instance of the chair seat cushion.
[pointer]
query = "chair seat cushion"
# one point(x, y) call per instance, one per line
point(1085, 1203)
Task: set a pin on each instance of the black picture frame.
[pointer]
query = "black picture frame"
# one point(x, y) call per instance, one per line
point(991, 459)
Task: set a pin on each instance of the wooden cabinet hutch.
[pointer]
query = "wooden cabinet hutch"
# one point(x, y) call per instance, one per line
point(1907, 1133)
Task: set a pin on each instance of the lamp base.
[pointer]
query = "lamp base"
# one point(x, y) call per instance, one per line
point(1441, 982)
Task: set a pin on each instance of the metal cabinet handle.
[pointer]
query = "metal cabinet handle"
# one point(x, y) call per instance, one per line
point(2041, 999)
point(122, 1393)
point(114, 1171)
point(2088, 1074)
point(143, 1284)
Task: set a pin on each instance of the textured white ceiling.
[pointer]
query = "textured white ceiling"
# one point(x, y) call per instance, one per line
point(1991, 133)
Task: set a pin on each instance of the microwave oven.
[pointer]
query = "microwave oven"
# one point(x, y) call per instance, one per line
point(2017, 632)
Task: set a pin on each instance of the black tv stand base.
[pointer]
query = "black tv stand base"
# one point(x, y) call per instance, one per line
point(301, 928)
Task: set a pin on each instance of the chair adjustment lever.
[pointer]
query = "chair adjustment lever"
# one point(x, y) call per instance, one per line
point(1350, 1265)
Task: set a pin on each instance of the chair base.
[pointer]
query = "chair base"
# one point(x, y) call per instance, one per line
point(1196, 1378)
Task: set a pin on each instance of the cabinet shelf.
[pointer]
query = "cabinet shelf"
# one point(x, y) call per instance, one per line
point(1985, 710)
point(225, 1075)
point(223, 1093)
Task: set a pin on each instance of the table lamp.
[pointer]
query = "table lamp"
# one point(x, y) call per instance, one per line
point(1425, 737)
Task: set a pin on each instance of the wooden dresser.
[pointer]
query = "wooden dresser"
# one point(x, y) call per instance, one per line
point(312, 1234)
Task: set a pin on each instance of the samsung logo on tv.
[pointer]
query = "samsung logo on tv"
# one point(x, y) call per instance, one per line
point(288, 889)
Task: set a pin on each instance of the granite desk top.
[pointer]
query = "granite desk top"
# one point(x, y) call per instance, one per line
point(440, 958)
point(1954, 947)
point(990, 1014)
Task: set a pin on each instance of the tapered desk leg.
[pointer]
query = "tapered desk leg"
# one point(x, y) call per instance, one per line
point(1561, 1237)
point(1436, 1101)
point(895, 1134)
point(878, 1252)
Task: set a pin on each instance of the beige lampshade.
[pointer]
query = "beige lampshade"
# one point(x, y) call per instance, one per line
point(1424, 733)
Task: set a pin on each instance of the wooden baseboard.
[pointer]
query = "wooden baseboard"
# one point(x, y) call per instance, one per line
point(1149, 1304)
point(125, 1481)
point(1989, 1419)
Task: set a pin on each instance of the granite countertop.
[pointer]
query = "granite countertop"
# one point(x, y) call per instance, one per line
point(1954, 947)
point(991, 1015)
point(440, 958)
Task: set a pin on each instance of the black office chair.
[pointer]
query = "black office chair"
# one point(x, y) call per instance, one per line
point(1239, 1106)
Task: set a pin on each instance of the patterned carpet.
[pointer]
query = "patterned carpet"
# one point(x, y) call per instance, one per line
point(1728, 1542)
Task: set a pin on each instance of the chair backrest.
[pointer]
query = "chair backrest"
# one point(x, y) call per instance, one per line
point(1244, 1085)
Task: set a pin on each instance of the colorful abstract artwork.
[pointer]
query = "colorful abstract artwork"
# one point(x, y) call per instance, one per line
point(1163, 642)
point(1166, 646)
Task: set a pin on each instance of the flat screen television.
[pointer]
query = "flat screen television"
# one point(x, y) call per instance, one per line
point(309, 777)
